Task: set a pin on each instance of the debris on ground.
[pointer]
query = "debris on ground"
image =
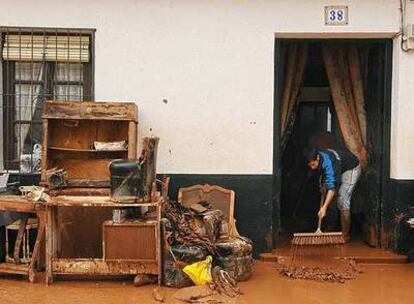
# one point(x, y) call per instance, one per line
point(334, 274)
point(193, 293)
point(144, 279)
point(158, 295)
point(223, 283)
point(222, 289)
point(202, 294)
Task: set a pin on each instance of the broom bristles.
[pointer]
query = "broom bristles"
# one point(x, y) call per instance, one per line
point(318, 238)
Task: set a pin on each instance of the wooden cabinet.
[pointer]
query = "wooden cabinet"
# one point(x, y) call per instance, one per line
point(70, 130)
point(128, 248)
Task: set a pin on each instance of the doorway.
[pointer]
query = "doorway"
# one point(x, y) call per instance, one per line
point(317, 124)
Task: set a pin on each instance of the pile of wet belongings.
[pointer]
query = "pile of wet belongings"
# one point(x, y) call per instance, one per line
point(192, 234)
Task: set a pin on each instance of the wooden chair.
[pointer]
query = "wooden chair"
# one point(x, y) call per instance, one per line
point(218, 197)
point(23, 226)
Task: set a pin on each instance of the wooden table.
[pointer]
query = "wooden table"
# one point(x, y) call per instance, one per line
point(93, 266)
point(17, 203)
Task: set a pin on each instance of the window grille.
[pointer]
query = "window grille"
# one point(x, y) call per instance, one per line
point(39, 64)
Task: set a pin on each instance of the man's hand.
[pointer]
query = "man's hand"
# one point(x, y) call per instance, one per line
point(322, 212)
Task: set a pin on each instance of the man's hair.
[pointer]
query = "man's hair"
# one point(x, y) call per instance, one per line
point(312, 155)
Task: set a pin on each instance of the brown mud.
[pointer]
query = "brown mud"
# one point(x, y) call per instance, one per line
point(378, 284)
point(336, 271)
point(313, 263)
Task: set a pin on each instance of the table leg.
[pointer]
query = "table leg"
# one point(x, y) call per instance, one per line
point(36, 250)
point(50, 242)
point(6, 249)
point(19, 238)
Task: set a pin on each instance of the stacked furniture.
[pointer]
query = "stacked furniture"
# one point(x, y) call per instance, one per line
point(235, 252)
point(195, 227)
point(80, 140)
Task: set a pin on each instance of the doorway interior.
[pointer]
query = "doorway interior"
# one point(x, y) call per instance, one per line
point(317, 121)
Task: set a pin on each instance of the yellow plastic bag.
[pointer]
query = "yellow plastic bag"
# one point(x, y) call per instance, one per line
point(200, 272)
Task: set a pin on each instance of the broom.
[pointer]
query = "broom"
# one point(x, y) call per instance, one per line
point(318, 237)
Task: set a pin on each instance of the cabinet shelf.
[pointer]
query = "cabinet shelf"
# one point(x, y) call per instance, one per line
point(85, 150)
point(70, 129)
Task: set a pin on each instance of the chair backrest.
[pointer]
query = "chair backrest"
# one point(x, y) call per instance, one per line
point(218, 197)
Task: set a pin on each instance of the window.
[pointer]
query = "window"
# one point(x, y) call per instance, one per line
point(38, 65)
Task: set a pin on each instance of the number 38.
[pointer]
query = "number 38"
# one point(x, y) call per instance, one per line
point(336, 15)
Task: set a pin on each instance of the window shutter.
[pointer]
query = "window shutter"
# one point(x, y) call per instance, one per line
point(46, 48)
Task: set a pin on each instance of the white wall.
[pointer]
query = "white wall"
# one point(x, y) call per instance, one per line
point(212, 60)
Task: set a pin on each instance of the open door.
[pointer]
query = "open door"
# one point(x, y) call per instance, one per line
point(369, 201)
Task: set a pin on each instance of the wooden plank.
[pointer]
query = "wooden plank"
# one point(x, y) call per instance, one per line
point(127, 199)
point(9, 268)
point(132, 140)
point(51, 242)
point(101, 267)
point(19, 204)
point(92, 201)
point(12, 198)
point(80, 191)
point(165, 188)
point(87, 150)
point(158, 242)
point(132, 240)
point(36, 250)
point(85, 183)
point(19, 238)
point(84, 169)
point(90, 110)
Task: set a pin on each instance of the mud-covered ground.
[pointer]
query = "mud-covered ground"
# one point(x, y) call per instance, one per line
point(377, 284)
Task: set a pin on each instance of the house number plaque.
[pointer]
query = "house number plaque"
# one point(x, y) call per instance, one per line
point(336, 15)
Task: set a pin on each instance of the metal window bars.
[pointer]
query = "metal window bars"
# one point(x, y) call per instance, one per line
point(39, 64)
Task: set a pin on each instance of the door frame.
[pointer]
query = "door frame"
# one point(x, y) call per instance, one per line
point(386, 130)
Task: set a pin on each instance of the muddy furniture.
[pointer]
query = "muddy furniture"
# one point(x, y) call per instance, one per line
point(218, 197)
point(127, 180)
point(84, 137)
point(18, 204)
point(234, 253)
point(119, 237)
point(131, 262)
point(25, 226)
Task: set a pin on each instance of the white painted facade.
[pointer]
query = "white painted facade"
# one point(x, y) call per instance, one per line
point(213, 61)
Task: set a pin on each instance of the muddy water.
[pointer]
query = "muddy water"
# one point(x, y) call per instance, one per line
point(378, 284)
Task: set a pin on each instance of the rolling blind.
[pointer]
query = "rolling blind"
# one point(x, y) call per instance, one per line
point(46, 48)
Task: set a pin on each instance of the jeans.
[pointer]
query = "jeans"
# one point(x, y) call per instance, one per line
point(348, 181)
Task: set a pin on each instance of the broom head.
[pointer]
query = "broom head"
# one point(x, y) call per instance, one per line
point(318, 238)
